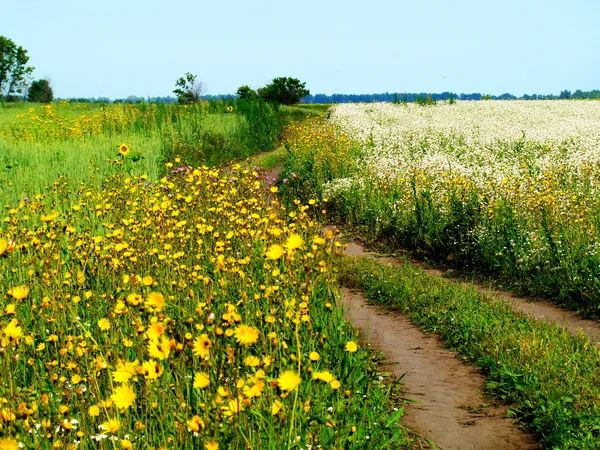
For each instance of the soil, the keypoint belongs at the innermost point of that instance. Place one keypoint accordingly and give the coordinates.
(451, 410)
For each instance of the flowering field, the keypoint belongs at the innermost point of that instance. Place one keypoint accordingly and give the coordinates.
(182, 310)
(504, 188)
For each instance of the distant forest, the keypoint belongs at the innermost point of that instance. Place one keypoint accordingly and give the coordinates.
(397, 97)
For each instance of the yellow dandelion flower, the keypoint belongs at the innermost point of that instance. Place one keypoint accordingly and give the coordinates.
(275, 251)
(152, 370)
(314, 356)
(123, 149)
(195, 424)
(94, 411)
(8, 444)
(12, 330)
(159, 349)
(147, 281)
(335, 384)
(19, 292)
(104, 324)
(246, 335)
(202, 345)
(288, 381)
(126, 444)
(3, 246)
(323, 376)
(201, 380)
(124, 371)
(252, 361)
(276, 407)
(111, 425)
(156, 330)
(155, 300)
(351, 346)
(123, 396)
(294, 241)
(212, 445)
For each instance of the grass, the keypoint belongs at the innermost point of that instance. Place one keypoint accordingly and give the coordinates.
(549, 376)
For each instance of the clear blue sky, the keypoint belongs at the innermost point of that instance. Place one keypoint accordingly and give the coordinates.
(117, 48)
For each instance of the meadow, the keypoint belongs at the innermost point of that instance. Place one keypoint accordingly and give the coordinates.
(506, 190)
(152, 299)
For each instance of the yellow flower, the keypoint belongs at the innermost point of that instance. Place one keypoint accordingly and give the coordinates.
(156, 300)
(335, 384)
(152, 370)
(202, 346)
(275, 251)
(212, 445)
(159, 349)
(155, 330)
(12, 330)
(8, 444)
(147, 281)
(19, 292)
(294, 241)
(126, 444)
(314, 356)
(323, 376)
(104, 324)
(94, 411)
(3, 246)
(111, 425)
(246, 335)
(201, 380)
(195, 423)
(123, 396)
(123, 149)
(276, 407)
(252, 361)
(124, 371)
(351, 346)
(288, 380)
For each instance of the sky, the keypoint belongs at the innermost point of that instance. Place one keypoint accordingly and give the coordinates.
(118, 48)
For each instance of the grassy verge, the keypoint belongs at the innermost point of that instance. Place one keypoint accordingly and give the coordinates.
(550, 376)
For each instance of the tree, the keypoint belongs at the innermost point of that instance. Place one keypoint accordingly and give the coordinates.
(14, 71)
(284, 90)
(40, 91)
(189, 89)
(246, 92)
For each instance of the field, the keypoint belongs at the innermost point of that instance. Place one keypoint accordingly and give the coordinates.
(152, 299)
(160, 290)
(501, 189)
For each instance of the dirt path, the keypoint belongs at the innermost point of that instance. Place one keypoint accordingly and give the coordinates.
(451, 410)
(537, 309)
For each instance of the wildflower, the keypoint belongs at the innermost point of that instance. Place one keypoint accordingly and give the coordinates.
(335, 384)
(323, 376)
(195, 423)
(212, 445)
(202, 346)
(314, 356)
(246, 335)
(294, 242)
(147, 281)
(159, 349)
(351, 346)
(12, 330)
(155, 330)
(124, 371)
(19, 292)
(104, 324)
(3, 246)
(276, 407)
(155, 300)
(93, 411)
(111, 425)
(152, 370)
(123, 396)
(126, 444)
(201, 380)
(288, 380)
(9, 444)
(275, 251)
(123, 149)
(252, 361)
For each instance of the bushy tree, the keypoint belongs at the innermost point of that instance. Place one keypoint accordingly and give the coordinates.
(14, 71)
(246, 92)
(284, 90)
(189, 88)
(40, 91)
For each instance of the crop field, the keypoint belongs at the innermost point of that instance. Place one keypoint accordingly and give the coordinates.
(150, 303)
(508, 189)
